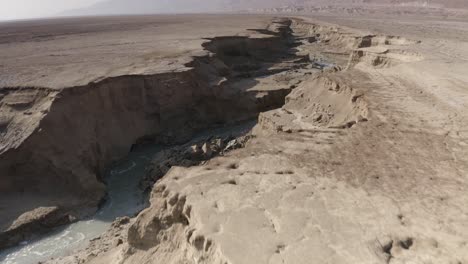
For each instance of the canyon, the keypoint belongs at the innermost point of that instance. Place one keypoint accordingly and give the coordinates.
(357, 152)
(68, 136)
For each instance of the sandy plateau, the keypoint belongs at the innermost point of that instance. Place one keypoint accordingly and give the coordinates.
(359, 153)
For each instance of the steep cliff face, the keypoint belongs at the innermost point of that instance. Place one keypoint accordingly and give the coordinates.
(87, 127)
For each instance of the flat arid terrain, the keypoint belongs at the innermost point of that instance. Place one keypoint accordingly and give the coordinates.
(275, 138)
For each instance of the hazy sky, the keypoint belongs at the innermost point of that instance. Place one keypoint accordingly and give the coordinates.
(20, 9)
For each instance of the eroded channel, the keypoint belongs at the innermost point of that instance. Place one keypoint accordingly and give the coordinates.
(125, 198)
(246, 77)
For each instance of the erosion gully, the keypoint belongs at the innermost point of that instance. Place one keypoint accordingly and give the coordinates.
(251, 66)
(125, 198)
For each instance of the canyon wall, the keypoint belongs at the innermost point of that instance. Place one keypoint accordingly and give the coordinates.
(59, 143)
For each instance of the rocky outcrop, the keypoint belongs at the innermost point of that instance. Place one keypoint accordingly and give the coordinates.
(37, 221)
(322, 101)
(168, 229)
(190, 155)
(382, 57)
